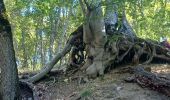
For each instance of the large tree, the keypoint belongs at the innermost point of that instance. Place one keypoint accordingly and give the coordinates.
(9, 88)
(106, 40)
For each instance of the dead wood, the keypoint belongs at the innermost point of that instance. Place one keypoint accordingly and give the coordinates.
(126, 49)
(150, 80)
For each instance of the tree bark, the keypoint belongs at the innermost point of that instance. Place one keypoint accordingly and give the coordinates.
(125, 28)
(9, 88)
(94, 36)
(111, 17)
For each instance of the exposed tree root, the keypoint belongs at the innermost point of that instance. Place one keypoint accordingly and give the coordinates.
(141, 47)
(119, 48)
(150, 80)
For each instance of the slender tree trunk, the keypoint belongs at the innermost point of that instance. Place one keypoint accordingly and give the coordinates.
(9, 88)
(41, 47)
(54, 28)
(62, 40)
(25, 57)
(36, 51)
(44, 52)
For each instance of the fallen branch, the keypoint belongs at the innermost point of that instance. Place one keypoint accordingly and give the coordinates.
(50, 65)
(150, 80)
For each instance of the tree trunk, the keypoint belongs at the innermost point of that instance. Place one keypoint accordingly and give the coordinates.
(54, 29)
(25, 57)
(94, 37)
(111, 18)
(125, 28)
(42, 47)
(9, 88)
(36, 51)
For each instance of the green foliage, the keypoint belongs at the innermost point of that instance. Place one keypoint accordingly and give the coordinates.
(149, 18)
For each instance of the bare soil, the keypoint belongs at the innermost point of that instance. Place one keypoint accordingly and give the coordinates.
(109, 87)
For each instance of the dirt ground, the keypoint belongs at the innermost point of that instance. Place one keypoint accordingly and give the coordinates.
(110, 87)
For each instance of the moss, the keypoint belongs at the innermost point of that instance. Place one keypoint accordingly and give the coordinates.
(86, 93)
(115, 37)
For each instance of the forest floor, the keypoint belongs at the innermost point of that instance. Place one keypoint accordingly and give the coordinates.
(110, 87)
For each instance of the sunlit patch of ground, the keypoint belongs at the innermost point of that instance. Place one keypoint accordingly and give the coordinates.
(27, 70)
(161, 68)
